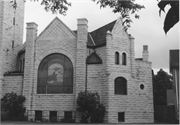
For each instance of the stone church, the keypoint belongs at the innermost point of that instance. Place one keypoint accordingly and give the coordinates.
(51, 68)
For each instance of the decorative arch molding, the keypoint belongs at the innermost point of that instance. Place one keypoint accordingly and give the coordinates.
(55, 75)
(56, 50)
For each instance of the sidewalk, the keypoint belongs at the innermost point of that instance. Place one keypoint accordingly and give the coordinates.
(50, 123)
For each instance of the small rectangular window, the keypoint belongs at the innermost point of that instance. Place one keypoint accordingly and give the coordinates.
(23, 62)
(38, 115)
(53, 116)
(68, 114)
(13, 44)
(14, 21)
(20, 65)
(121, 117)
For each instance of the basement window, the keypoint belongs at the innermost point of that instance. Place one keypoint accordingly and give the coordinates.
(53, 116)
(68, 115)
(121, 117)
(38, 115)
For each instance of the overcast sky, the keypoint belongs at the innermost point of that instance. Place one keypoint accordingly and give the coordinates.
(148, 30)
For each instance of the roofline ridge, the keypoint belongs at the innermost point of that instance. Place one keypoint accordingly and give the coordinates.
(91, 39)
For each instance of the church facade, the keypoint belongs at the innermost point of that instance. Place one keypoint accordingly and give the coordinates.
(51, 68)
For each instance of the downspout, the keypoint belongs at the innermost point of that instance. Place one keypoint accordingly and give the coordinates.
(86, 77)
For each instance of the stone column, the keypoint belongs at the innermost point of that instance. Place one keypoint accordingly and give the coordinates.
(31, 35)
(82, 34)
(106, 93)
(132, 56)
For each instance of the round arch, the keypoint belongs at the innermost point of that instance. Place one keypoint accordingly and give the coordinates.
(55, 75)
(120, 84)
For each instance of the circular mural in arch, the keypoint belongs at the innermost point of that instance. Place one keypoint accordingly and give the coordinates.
(55, 74)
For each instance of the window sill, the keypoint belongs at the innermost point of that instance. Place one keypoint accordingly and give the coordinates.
(120, 94)
(56, 94)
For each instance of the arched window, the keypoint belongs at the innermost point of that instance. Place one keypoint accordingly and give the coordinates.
(124, 59)
(55, 75)
(120, 86)
(116, 58)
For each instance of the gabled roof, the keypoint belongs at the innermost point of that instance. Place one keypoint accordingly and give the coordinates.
(174, 59)
(54, 29)
(22, 49)
(99, 35)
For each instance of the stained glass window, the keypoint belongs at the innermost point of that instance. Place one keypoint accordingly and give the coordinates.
(55, 75)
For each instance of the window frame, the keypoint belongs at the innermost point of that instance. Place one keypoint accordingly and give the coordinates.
(37, 114)
(53, 114)
(124, 58)
(117, 59)
(43, 87)
(123, 117)
(68, 113)
(120, 88)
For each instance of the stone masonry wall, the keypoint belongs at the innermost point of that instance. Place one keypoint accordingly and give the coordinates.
(13, 83)
(56, 38)
(144, 77)
(137, 105)
(1, 62)
(104, 87)
(94, 78)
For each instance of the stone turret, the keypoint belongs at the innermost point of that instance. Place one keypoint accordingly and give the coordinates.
(11, 35)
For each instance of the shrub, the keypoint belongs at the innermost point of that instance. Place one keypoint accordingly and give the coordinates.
(54, 119)
(13, 105)
(90, 107)
(63, 120)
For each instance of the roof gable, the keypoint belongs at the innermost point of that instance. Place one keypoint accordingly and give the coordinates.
(56, 29)
(118, 28)
(93, 58)
(99, 35)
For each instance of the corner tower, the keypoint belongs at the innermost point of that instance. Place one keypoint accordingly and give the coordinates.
(11, 34)
(11, 31)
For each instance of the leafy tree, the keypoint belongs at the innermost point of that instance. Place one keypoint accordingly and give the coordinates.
(172, 16)
(60, 6)
(90, 107)
(161, 82)
(13, 104)
(124, 7)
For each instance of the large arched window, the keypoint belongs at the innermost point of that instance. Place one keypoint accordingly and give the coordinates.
(117, 58)
(124, 59)
(120, 85)
(55, 75)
